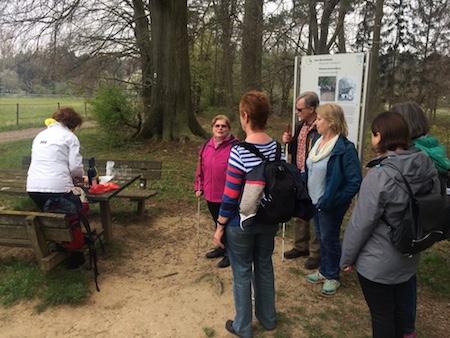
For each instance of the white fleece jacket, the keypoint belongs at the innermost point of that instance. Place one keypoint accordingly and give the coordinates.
(55, 160)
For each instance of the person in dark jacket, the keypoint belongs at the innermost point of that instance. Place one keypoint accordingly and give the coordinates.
(211, 171)
(333, 178)
(305, 244)
(383, 271)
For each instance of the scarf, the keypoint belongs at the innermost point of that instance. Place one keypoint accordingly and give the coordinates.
(217, 143)
(316, 154)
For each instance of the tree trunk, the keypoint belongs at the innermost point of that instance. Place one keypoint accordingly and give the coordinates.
(170, 116)
(226, 10)
(142, 34)
(252, 46)
(373, 102)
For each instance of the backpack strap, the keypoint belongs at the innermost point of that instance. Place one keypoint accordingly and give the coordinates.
(411, 195)
(90, 238)
(251, 148)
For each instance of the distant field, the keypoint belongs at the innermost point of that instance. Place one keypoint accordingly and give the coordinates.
(26, 112)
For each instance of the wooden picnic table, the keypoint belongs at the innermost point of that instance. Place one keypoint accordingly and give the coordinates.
(13, 182)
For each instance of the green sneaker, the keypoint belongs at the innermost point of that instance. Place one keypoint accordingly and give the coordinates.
(316, 277)
(330, 286)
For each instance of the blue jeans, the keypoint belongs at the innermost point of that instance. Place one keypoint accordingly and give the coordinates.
(411, 303)
(327, 226)
(250, 252)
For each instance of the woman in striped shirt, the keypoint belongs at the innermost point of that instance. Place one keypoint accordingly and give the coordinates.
(250, 248)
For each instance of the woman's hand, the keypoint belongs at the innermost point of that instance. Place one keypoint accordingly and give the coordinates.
(198, 193)
(218, 236)
(348, 268)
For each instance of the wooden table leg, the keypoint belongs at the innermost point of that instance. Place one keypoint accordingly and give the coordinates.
(105, 212)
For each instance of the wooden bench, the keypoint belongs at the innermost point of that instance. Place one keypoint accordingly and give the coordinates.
(148, 170)
(35, 230)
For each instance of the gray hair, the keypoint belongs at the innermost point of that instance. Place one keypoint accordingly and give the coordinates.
(311, 99)
(414, 116)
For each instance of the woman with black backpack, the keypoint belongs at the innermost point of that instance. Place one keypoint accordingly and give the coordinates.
(383, 271)
(419, 127)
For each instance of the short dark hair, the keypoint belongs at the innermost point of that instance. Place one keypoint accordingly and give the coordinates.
(258, 108)
(418, 123)
(69, 117)
(394, 132)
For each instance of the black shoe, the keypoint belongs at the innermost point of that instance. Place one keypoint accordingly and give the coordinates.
(75, 261)
(294, 253)
(225, 262)
(312, 263)
(229, 327)
(217, 252)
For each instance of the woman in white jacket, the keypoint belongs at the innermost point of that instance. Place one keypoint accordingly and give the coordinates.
(56, 161)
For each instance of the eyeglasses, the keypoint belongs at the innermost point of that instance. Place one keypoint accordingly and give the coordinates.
(300, 109)
(220, 126)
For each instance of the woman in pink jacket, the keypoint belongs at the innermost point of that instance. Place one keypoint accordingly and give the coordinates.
(211, 171)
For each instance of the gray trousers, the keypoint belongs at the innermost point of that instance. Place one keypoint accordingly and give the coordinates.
(304, 240)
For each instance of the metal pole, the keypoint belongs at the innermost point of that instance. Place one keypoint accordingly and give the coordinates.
(284, 223)
(198, 227)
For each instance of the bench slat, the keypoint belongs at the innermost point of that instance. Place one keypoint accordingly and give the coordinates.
(136, 194)
(13, 242)
(13, 232)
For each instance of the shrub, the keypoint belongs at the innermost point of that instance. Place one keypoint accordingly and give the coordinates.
(113, 111)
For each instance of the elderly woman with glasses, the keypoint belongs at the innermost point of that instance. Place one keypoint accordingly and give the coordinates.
(211, 172)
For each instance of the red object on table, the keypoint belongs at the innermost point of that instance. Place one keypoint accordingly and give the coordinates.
(102, 187)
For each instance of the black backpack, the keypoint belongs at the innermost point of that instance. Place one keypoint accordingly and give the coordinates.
(422, 224)
(284, 194)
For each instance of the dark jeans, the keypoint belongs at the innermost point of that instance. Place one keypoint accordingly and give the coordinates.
(411, 305)
(327, 226)
(76, 258)
(214, 210)
(41, 197)
(388, 307)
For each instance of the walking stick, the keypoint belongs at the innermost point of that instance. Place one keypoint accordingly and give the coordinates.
(198, 227)
(288, 127)
(199, 178)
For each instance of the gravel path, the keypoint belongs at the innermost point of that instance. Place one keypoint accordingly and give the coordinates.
(15, 135)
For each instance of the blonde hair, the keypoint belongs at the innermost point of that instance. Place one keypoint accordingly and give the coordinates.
(221, 117)
(335, 115)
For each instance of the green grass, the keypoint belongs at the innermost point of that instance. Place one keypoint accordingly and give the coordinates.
(21, 280)
(25, 112)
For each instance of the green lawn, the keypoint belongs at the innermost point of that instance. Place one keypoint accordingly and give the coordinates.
(26, 112)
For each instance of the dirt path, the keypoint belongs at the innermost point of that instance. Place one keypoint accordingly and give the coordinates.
(161, 288)
(15, 135)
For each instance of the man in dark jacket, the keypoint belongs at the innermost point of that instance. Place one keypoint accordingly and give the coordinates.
(305, 244)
